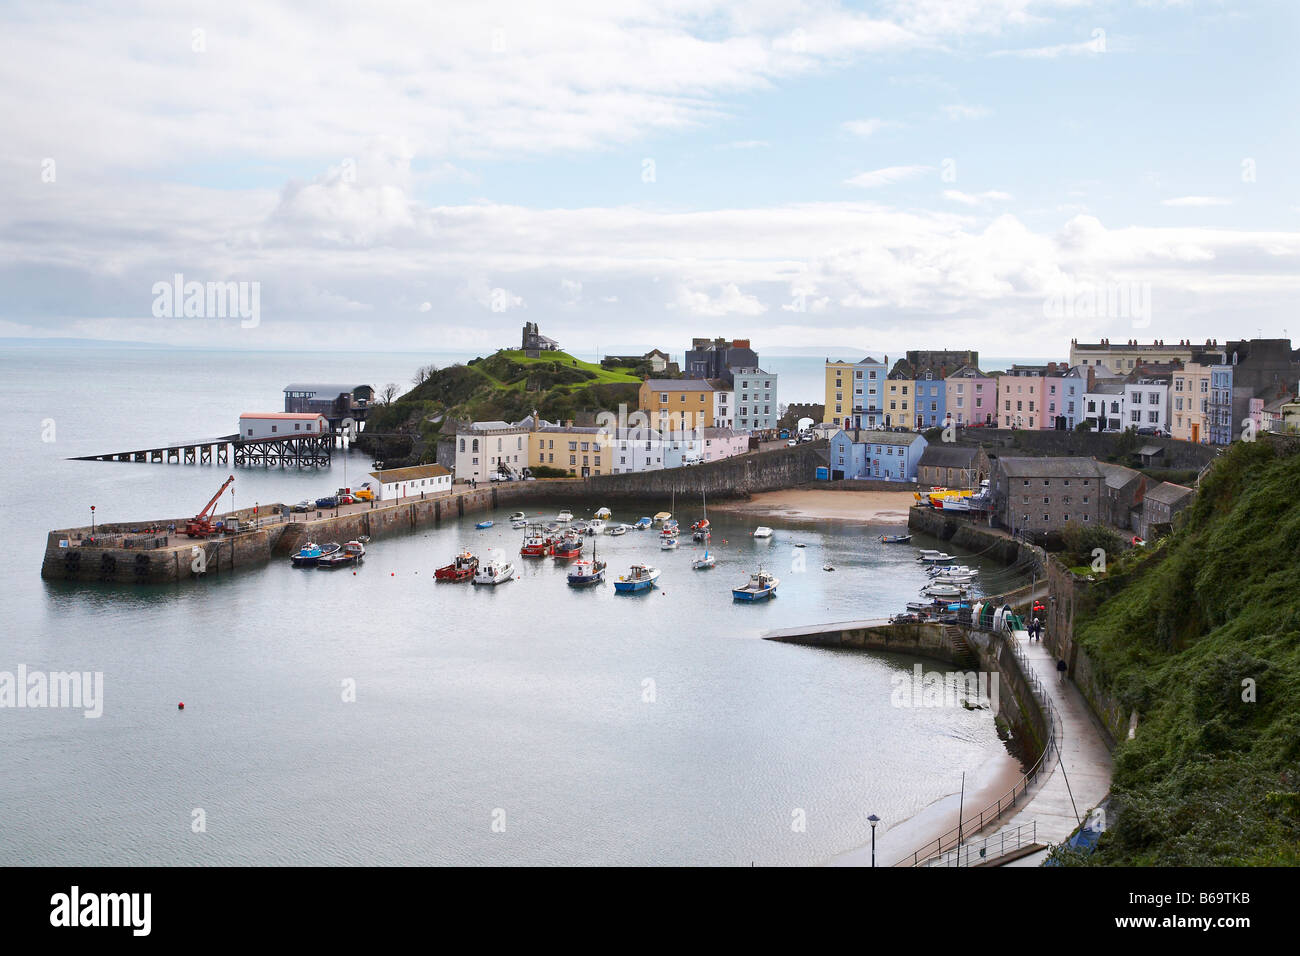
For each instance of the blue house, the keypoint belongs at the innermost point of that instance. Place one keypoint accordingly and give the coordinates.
(930, 402)
(876, 454)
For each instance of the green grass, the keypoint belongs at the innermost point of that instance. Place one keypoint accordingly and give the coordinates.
(1182, 634)
(603, 376)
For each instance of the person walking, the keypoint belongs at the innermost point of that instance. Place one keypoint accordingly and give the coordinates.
(1060, 668)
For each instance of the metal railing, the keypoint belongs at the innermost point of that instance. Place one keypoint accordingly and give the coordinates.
(976, 822)
(998, 845)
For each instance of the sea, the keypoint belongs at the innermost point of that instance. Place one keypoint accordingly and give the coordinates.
(378, 717)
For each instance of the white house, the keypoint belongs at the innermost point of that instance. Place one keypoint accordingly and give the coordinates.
(1148, 404)
(412, 482)
(1104, 405)
(255, 425)
(487, 448)
(755, 399)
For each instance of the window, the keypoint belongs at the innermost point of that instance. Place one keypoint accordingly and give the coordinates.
(573, 459)
(275, 428)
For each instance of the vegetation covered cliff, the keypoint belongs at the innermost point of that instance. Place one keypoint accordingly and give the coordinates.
(1201, 637)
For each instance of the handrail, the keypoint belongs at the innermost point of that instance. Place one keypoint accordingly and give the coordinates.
(974, 854)
(994, 811)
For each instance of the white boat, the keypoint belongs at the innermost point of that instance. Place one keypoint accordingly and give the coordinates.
(761, 585)
(962, 579)
(604, 514)
(936, 558)
(564, 516)
(494, 572)
(705, 562)
(923, 552)
(667, 543)
(618, 529)
(595, 526)
(518, 516)
(950, 569)
(519, 523)
(943, 590)
(662, 516)
(762, 531)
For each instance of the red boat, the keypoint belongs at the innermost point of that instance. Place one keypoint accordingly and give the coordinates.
(536, 543)
(570, 546)
(462, 569)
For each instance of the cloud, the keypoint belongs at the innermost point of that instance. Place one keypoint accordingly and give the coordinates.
(886, 177)
(747, 144)
(959, 111)
(1196, 201)
(1096, 46)
(866, 127)
(729, 301)
(976, 199)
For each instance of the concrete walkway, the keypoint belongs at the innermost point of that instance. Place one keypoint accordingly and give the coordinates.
(1084, 768)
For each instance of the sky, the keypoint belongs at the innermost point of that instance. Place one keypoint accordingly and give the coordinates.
(1001, 175)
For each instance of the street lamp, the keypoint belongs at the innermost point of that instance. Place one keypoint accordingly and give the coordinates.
(92, 521)
(873, 820)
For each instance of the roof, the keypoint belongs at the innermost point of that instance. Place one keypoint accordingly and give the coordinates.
(1168, 493)
(293, 416)
(409, 474)
(865, 436)
(948, 455)
(493, 426)
(332, 390)
(1050, 467)
(968, 371)
(679, 384)
(1117, 476)
(1117, 387)
(1150, 451)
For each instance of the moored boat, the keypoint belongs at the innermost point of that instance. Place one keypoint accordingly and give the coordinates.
(661, 517)
(536, 542)
(587, 570)
(642, 523)
(461, 569)
(895, 539)
(604, 514)
(667, 542)
(639, 577)
(569, 546)
(494, 572)
(595, 526)
(761, 585)
(705, 562)
(518, 516)
(482, 525)
(354, 552)
(762, 531)
(937, 558)
(564, 516)
(619, 529)
(307, 556)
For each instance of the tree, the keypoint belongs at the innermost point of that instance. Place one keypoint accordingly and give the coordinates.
(423, 374)
(1085, 425)
(388, 393)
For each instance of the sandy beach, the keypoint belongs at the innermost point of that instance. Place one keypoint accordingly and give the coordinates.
(875, 507)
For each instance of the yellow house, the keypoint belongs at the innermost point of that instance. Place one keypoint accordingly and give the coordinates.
(897, 402)
(1189, 396)
(839, 392)
(674, 404)
(581, 450)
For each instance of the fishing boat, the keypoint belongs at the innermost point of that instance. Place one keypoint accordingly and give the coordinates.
(762, 531)
(761, 586)
(494, 572)
(944, 590)
(604, 514)
(705, 562)
(484, 524)
(700, 530)
(619, 529)
(587, 570)
(537, 543)
(595, 526)
(642, 523)
(461, 569)
(307, 556)
(354, 552)
(569, 546)
(639, 577)
(564, 516)
(669, 529)
(518, 516)
(895, 539)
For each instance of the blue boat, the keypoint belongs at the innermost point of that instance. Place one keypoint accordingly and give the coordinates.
(760, 587)
(484, 524)
(643, 523)
(307, 556)
(639, 577)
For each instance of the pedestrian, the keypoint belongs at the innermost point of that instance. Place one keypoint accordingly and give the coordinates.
(1060, 667)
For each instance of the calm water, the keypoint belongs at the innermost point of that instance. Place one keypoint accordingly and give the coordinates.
(599, 728)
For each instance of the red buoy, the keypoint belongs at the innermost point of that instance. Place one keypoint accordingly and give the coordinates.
(181, 705)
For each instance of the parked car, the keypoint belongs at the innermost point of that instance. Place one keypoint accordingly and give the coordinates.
(792, 442)
(327, 502)
(303, 505)
(346, 500)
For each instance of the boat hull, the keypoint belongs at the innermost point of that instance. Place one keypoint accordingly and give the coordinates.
(745, 594)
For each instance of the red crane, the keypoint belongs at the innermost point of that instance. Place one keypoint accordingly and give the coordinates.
(200, 526)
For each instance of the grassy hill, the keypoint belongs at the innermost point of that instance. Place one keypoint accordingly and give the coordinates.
(504, 386)
(1183, 636)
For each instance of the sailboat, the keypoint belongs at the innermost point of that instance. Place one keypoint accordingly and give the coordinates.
(705, 562)
(700, 530)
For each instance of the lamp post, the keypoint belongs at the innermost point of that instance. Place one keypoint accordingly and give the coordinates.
(92, 521)
(873, 820)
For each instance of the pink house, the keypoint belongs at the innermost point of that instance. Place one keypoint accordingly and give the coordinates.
(971, 397)
(1020, 401)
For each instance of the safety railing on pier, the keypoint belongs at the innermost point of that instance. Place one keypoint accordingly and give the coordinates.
(1006, 841)
(976, 822)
